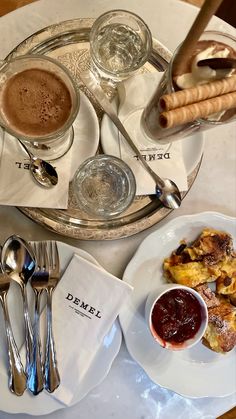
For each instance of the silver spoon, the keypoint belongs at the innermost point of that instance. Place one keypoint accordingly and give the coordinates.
(17, 378)
(166, 190)
(17, 260)
(42, 171)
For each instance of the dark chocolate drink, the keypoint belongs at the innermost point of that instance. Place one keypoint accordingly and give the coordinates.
(35, 102)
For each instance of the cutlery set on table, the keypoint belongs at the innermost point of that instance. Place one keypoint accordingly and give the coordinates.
(39, 265)
(35, 267)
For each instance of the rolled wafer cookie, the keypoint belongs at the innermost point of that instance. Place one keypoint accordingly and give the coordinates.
(196, 94)
(197, 110)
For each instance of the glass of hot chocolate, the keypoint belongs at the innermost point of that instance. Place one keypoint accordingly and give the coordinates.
(39, 102)
(198, 97)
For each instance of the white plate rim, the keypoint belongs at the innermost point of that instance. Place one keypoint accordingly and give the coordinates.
(203, 219)
(35, 406)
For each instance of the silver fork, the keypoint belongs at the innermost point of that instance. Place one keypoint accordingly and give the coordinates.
(39, 281)
(51, 374)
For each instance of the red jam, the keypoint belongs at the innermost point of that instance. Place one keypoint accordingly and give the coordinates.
(176, 316)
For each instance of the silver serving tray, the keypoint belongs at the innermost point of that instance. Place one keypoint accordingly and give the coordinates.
(69, 42)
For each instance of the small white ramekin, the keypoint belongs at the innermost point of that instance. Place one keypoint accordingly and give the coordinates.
(152, 299)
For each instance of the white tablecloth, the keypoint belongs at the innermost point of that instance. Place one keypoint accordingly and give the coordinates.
(127, 392)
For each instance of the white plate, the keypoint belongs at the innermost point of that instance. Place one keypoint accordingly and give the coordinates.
(196, 372)
(45, 403)
(192, 147)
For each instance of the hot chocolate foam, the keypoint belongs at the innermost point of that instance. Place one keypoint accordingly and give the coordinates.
(36, 102)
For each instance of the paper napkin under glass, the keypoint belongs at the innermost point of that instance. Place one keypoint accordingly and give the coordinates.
(18, 188)
(166, 160)
(86, 303)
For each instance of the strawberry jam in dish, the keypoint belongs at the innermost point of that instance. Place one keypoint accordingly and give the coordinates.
(176, 316)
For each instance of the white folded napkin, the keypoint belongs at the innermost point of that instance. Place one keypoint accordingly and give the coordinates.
(86, 303)
(17, 186)
(167, 160)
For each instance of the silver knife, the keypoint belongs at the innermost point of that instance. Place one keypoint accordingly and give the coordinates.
(166, 190)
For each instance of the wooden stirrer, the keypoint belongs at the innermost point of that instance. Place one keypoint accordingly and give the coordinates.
(206, 12)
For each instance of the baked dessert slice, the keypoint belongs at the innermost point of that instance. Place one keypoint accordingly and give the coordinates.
(212, 247)
(190, 274)
(200, 261)
(226, 283)
(220, 335)
(232, 298)
(209, 296)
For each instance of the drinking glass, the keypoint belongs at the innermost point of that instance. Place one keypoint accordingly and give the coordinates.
(104, 186)
(150, 116)
(120, 43)
(56, 142)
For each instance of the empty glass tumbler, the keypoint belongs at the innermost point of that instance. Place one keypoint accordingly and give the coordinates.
(120, 43)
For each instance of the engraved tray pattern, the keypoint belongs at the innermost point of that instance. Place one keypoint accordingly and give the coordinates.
(69, 43)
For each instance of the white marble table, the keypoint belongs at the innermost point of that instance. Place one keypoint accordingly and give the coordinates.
(127, 392)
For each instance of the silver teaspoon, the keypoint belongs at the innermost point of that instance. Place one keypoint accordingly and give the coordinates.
(18, 262)
(17, 378)
(42, 171)
(166, 190)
